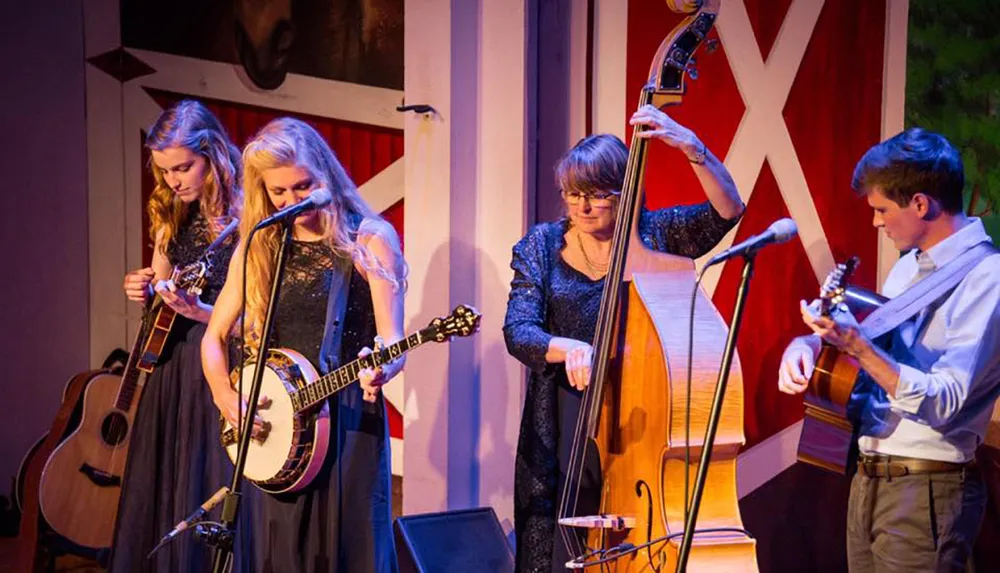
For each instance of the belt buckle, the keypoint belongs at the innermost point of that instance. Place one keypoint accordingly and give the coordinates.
(869, 468)
(882, 466)
(895, 470)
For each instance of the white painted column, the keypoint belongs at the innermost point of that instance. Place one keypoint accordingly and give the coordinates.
(610, 45)
(427, 214)
(106, 188)
(465, 207)
(503, 191)
(897, 20)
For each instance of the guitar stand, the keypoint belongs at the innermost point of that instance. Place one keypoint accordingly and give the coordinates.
(57, 546)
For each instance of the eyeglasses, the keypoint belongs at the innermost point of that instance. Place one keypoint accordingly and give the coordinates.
(597, 199)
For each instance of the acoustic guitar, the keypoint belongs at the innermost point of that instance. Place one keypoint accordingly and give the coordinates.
(827, 433)
(81, 483)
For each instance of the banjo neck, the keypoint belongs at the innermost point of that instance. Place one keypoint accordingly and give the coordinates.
(335, 381)
(292, 454)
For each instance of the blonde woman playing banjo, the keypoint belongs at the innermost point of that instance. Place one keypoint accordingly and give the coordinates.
(343, 287)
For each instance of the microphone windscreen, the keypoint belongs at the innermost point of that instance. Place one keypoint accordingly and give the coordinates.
(321, 197)
(783, 229)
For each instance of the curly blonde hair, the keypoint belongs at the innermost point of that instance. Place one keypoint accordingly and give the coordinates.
(191, 125)
(288, 142)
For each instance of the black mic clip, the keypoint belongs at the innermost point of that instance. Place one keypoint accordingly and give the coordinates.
(214, 534)
(190, 520)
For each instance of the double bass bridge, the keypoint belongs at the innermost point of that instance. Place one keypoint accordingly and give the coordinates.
(603, 521)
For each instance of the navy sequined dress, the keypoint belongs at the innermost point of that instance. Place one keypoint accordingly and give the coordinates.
(549, 298)
(175, 460)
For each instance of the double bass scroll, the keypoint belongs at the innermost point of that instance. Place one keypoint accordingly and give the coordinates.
(634, 413)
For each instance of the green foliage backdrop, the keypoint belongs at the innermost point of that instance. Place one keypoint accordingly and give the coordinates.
(953, 87)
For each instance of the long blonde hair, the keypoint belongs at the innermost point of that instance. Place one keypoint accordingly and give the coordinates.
(189, 124)
(288, 142)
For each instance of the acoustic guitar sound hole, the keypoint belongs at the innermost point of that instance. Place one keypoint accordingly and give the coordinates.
(114, 428)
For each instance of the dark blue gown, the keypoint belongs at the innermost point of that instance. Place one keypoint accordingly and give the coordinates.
(175, 460)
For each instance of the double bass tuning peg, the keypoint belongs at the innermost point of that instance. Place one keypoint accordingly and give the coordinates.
(692, 69)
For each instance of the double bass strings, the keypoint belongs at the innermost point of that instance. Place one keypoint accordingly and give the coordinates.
(586, 424)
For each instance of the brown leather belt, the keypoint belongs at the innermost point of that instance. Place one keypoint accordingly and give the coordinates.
(880, 466)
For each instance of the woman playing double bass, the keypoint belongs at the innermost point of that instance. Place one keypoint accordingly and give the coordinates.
(552, 312)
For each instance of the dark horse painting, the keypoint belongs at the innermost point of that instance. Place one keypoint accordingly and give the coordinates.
(357, 41)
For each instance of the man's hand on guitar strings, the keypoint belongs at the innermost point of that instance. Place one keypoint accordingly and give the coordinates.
(796, 367)
(840, 329)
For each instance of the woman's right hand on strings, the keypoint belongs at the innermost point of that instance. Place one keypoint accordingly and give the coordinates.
(797, 365)
(578, 362)
(228, 403)
(137, 284)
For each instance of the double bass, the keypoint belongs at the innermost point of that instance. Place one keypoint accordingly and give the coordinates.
(639, 415)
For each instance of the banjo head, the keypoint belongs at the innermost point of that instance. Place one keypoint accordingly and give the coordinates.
(286, 454)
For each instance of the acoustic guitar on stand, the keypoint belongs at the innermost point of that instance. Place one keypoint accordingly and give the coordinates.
(82, 480)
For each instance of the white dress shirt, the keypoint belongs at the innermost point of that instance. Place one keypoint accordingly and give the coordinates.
(949, 360)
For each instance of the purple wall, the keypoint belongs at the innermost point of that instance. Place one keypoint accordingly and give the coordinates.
(43, 223)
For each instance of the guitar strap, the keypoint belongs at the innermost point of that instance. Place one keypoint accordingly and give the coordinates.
(924, 292)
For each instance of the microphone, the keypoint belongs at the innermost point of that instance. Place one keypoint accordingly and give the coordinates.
(194, 517)
(779, 232)
(318, 198)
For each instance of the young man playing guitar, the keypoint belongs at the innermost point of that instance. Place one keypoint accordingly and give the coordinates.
(930, 364)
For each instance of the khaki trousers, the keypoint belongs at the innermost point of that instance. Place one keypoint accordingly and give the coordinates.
(914, 523)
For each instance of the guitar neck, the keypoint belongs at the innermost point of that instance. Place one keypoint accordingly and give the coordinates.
(130, 377)
(157, 320)
(347, 374)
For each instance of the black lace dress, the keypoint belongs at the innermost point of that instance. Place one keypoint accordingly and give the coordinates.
(175, 460)
(550, 298)
(342, 521)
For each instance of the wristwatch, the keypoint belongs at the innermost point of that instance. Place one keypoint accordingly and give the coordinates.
(697, 156)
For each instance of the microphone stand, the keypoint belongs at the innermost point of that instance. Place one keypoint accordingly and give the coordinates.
(222, 536)
(713, 418)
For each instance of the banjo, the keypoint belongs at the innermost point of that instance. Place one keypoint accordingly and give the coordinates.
(297, 421)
